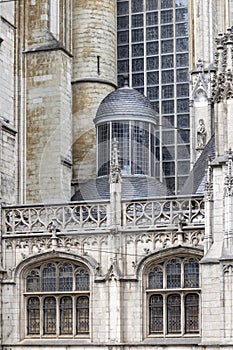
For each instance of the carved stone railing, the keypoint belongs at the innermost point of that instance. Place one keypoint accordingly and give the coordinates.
(162, 213)
(46, 218)
(176, 211)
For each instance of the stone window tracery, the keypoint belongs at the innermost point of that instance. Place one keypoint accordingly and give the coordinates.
(173, 294)
(57, 300)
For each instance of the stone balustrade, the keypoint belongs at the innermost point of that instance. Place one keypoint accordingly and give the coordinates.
(173, 212)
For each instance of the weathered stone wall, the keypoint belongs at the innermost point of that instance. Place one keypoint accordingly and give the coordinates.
(7, 105)
(48, 125)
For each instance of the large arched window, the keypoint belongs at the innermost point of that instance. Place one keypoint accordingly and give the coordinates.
(173, 294)
(57, 300)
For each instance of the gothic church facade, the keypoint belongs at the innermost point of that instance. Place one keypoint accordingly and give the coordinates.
(97, 252)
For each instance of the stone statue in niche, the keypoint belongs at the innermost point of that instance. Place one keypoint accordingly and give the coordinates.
(201, 134)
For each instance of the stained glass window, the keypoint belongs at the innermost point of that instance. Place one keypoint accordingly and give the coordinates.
(165, 308)
(156, 314)
(66, 277)
(174, 313)
(191, 274)
(82, 280)
(49, 278)
(159, 35)
(33, 311)
(82, 309)
(66, 315)
(173, 274)
(50, 315)
(54, 313)
(156, 278)
(33, 281)
(192, 313)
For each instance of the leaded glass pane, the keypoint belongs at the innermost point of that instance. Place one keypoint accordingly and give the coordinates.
(173, 270)
(183, 152)
(168, 152)
(192, 313)
(168, 137)
(168, 170)
(168, 107)
(183, 167)
(181, 29)
(103, 149)
(33, 311)
(166, 4)
(155, 278)
(66, 277)
(137, 64)
(167, 76)
(191, 274)
(167, 46)
(140, 142)
(138, 79)
(168, 121)
(151, 5)
(50, 315)
(182, 75)
(33, 281)
(183, 105)
(123, 51)
(123, 66)
(182, 45)
(138, 50)
(82, 279)
(82, 315)
(137, 20)
(182, 60)
(152, 33)
(49, 278)
(182, 90)
(174, 313)
(156, 314)
(152, 48)
(152, 63)
(137, 35)
(153, 92)
(166, 16)
(152, 78)
(167, 61)
(123, 22)
(183, 121)
(167, 31)
(137, 5)
(151, 18)
(170, 182)
(66, 315)
(182, 15)
(123, 8)
(167, 91)
(183, 136)
(123, 37)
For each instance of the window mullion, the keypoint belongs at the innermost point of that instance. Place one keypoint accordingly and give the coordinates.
(164, 315)
(58, 317)
(182, 314)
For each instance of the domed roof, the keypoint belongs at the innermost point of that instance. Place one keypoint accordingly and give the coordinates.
(133, 187)
(126, 104)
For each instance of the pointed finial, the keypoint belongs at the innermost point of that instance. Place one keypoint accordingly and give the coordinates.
(115, 170)
(126, 80)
